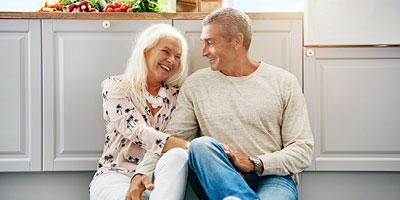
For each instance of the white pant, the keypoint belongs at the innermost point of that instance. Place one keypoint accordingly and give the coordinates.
(170, 178)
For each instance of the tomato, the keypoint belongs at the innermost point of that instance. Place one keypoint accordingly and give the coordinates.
(124, 8)
(109, 6)
(129, 10)
(110, 10)
(118, 10)
(117, 5)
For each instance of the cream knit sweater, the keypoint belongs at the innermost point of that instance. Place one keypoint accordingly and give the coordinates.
(262, 114)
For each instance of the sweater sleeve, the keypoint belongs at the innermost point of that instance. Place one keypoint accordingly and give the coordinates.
(123, 116)
(297, 138)
(183, 122)
(148, 164)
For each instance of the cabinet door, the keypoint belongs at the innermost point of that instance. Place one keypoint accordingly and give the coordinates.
(353, 97)
(20, 89)
(276, 42)
(77, 56)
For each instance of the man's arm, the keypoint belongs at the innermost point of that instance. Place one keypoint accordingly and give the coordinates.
(148, 164)
(183, 124)
(297, 138)
(142, 179)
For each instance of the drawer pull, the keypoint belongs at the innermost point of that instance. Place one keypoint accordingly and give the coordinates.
(310, 53)
(106, 24)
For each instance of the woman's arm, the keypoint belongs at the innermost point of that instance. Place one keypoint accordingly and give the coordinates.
(124, 117)
(174, 142)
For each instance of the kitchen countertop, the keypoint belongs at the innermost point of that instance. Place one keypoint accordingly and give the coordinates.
(178, 15)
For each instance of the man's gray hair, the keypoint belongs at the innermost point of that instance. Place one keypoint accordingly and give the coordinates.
(232, 22)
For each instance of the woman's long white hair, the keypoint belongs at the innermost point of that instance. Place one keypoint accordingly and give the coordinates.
(136, 71)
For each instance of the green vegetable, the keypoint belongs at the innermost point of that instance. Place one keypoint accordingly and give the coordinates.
(93, 3)
(103, 3)
(137, 5)
(68, 2)
(148, 6)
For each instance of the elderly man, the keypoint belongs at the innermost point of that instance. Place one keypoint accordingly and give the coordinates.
(252, 117)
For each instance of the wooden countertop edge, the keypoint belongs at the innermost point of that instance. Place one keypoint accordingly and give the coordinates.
(179, 15)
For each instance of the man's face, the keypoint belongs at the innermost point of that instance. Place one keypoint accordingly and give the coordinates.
(216, 49)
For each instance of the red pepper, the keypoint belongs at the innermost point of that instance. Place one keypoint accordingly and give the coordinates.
(70, 7)
(79, 4)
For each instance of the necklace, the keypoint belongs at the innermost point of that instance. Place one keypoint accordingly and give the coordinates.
(155, 101)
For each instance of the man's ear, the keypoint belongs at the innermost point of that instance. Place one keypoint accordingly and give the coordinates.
(238, 40)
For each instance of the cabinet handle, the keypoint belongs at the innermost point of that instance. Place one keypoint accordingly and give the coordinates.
(310, 52)
(106, 24)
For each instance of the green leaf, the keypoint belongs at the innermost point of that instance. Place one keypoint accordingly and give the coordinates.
(147, 6)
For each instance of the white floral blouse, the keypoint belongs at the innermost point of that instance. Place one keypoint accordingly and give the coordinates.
(131, 128)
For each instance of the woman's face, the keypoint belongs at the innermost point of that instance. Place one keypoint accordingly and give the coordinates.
(163, 59)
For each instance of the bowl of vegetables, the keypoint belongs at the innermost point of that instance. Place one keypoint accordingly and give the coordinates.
(160, 6)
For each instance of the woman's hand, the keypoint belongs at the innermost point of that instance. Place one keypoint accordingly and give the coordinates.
(138, 185)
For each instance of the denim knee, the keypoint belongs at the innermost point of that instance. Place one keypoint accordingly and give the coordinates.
(202, 144)
(276, 187)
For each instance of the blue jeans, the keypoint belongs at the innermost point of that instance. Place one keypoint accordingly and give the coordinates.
(220, 179)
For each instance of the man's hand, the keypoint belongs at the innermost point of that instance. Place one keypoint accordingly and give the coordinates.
(226, 148)
(138, 185)
(240, 161)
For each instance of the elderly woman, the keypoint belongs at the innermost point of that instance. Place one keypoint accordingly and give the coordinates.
(137, 107)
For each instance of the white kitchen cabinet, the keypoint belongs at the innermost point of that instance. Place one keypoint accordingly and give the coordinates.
(77, 56)
(355, 22)
(353, 97)
(276, 42)
(68, 61)
(20, 91)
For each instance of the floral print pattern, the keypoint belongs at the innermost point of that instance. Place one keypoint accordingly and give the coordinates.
(131, 128)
